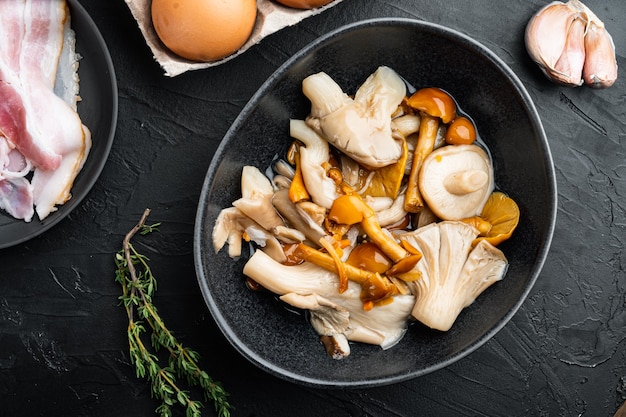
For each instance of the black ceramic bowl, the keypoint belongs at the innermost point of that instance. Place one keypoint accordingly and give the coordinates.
(98, 111)
(283, 343)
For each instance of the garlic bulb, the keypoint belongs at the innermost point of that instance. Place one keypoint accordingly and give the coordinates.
(571, 45)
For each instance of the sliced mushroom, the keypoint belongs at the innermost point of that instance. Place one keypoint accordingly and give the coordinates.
(456, 181)
(288, 235)
(406, 124)
(311, 210)
(327, 318)
(361, 128)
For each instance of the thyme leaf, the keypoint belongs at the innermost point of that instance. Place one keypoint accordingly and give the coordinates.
(138, 284)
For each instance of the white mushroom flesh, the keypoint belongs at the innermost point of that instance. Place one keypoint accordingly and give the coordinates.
(453, 274)
(313, 156)
(456, 181)
(361, 128)
(384, 325)
(230, 226)
(256, 200)
(347, 146)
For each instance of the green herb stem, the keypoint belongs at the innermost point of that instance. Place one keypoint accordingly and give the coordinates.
(138, 285)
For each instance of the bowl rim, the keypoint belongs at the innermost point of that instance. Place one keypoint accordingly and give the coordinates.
(270, 83)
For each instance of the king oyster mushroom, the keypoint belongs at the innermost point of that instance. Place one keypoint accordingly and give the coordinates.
(456, 181)
(359, 127)
(453, 273)
(383, 325)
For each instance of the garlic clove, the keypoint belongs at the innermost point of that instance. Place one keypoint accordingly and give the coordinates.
(546, 33)
(569, 67)
(600, 67)
(571, 46)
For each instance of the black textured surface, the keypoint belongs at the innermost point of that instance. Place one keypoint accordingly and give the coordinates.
(62, 332)
(269, 334)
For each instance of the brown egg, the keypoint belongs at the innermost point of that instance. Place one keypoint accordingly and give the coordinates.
(304, 4)
(203, 30)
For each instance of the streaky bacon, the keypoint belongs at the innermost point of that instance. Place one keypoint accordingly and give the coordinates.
(52, 137)
(69, 137)
(16, 123)
(13, 121)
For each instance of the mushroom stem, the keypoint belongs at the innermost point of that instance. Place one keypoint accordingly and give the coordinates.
(351, 209)
(375, 286)
(465, 182)
(325, 94)
(297, 189)
(413, 202)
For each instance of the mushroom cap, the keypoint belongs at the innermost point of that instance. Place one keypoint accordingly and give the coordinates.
(453, 273)
(359, 127)
(456, 181)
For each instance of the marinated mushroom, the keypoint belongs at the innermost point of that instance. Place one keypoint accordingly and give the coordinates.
(333, 228)
(232, 226)
(359, 127)
(329, 320)
(256, 198)
(384, 325)
(456, 181)
(453, 274)
(461, 131)
(435, 102)
(297, 218)
(313, 155)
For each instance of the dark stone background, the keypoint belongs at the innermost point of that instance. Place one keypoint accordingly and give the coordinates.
(62, 333)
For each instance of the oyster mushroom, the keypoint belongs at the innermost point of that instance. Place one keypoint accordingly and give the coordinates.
(359, 127)
(296, 217)
(313, 156)
(456, 181)
(453, 274)
(256, 198)
(393, 214)
(383, 325)
(329, 320)
(230, 226)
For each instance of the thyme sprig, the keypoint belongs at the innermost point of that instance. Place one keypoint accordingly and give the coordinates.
(138, 286)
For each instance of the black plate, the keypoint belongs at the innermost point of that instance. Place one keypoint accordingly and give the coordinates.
(283, 343)
(98, 111)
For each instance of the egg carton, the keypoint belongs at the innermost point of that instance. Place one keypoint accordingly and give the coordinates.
(271, 17)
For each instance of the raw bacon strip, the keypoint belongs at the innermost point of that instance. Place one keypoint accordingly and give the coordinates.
(16, 198)
(53, 187)
(13, 128)
(44, 22)
(66, 134)
(16, 123)
(12, 22)
(48, 131)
